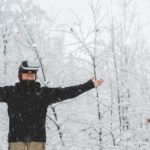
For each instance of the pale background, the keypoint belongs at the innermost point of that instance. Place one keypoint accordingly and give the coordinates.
(62, 9)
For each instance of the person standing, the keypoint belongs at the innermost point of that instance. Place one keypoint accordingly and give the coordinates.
(27, 106)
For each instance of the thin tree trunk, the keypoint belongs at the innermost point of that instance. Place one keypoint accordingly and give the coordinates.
(5, 42)
(116, 77)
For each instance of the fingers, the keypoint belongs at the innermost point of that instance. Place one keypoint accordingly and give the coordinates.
(98, 82)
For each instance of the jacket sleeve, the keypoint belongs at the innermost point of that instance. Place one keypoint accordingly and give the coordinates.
(5, 93)
(54, 95)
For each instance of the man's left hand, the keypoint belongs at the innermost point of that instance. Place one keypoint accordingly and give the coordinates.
(97, 82)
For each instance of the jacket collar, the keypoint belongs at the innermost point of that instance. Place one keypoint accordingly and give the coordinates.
(29, 85)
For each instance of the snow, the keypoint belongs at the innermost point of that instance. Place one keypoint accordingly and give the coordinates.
(112, 117)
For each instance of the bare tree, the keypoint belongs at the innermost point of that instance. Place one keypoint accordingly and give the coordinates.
(88, 44)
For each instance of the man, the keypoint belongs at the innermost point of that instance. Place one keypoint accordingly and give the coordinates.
(27, 106)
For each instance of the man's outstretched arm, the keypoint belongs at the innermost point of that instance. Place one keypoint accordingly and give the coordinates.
(60, 94)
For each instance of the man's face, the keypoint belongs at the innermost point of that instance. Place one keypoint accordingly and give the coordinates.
(28, 75)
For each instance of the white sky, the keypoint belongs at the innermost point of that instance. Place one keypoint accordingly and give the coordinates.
(61, 7)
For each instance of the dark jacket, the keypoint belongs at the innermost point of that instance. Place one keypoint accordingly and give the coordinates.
(27, 107)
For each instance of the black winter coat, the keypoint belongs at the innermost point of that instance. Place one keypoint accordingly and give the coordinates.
(27, 107)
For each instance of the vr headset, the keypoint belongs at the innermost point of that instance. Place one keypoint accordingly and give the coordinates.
(29, 66)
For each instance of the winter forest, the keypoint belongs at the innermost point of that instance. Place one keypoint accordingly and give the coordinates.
(109, 46)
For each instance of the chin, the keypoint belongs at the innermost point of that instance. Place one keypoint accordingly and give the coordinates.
(31, 79)
(28, 79)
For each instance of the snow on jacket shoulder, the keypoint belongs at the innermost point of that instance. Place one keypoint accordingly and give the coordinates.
(52, 95)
